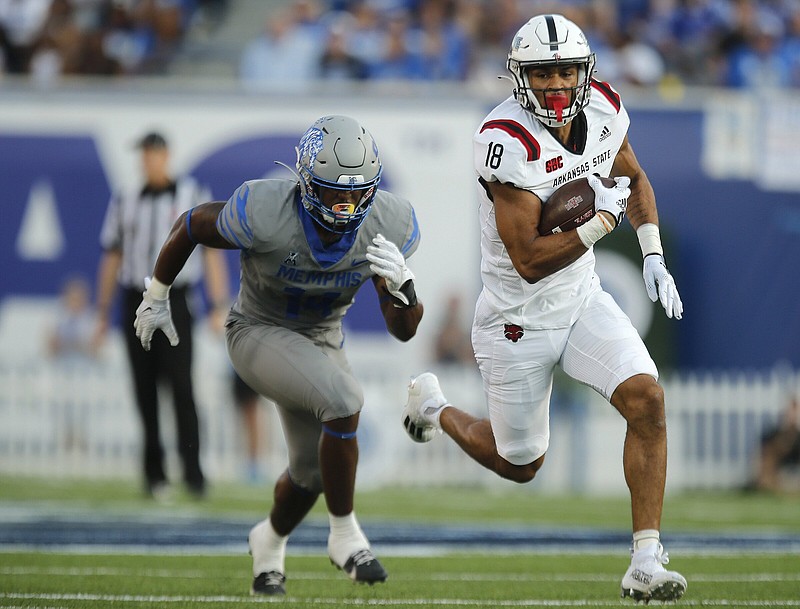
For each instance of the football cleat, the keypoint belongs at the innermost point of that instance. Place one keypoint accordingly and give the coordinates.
(647, 580)
(363, 567)
(420, 416)
(269, 584)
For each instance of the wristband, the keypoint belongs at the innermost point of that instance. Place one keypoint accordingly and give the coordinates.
(407, 290)
(649, 239)
(158, 290)
(594, 230)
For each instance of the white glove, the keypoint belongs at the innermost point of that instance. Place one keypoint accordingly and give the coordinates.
(386, 261)
(154, 314)
(613, 200)
(661, 286)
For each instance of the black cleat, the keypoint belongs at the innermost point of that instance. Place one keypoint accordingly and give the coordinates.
(363, 567)
(269, 584)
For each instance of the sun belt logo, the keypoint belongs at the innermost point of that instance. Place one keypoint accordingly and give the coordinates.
(605, 133)
(513, 332)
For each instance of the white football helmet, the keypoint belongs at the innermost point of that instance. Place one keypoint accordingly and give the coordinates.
(336, 152)
(548, 40)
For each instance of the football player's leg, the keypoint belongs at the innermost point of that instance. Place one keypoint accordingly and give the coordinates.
(271, 361)
(476, 438)
(298, 488)
(296, 492)
(517, 379)
(605, 352)
(348, 547)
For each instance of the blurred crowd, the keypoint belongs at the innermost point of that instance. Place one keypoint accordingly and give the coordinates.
(46, 38)
(730, 43)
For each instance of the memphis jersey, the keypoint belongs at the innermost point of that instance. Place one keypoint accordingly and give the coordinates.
(511, 146)
(287, 277)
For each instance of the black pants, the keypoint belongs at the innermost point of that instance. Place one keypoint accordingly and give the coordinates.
(174, 366)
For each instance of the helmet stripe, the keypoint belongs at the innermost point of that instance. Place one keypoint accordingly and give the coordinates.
(551, 31)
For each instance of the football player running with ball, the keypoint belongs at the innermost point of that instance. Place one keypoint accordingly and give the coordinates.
(542, 304)
(307, 246)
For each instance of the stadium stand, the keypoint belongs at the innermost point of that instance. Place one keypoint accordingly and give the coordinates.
(737, 44)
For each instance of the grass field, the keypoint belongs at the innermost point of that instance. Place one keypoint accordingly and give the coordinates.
(108, 577)
(519, 580)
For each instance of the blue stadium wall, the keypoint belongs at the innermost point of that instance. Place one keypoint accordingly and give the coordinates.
(733, 247)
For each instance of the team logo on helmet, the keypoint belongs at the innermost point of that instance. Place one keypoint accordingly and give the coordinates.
(310, 145)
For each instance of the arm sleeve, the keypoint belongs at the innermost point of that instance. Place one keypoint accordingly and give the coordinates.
(411, 242)
(234, 222)
(500, 158)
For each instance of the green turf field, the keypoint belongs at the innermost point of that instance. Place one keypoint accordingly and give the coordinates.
(511, 504)
(90, 578)
(458, 580)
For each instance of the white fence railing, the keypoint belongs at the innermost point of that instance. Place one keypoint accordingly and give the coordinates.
(79, 420)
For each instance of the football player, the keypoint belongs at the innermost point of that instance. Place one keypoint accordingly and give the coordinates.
(542, 304)
(307, 246)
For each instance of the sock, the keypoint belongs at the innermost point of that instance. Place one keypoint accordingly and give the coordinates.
(346, 538)
(268, 549)
(645, 538)
(438, 413)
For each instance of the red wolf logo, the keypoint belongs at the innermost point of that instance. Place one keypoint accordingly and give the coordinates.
(513, 332)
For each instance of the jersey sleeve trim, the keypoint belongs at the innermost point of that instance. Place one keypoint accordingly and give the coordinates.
(411, 243)
(235, 213)
(519, 133)
(609, 93)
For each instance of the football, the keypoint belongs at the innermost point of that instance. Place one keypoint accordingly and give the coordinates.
(569, 206)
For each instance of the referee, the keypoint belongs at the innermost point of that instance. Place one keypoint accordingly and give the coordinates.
(135, 226)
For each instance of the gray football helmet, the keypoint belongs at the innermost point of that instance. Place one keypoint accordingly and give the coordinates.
(549, 40)
(336, 152)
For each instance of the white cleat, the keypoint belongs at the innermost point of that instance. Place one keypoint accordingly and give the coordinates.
(425, 403)
(647, 580)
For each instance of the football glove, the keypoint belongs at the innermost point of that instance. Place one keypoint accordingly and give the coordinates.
(613, 200)
(386, 261)
(661, 286)
(154, 314)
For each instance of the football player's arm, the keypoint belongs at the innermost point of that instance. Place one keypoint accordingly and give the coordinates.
(401, 320)
(642, 200)
(643, 216)
(517, 214)
(198, 226)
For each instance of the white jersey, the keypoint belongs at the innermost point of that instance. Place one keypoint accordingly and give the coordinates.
(512, 147)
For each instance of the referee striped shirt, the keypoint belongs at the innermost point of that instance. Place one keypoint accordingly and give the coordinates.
(138, 223)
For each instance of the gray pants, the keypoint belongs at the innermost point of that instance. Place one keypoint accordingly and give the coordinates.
(309, 379)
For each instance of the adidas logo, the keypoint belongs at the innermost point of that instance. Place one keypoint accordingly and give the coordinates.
(605, 133)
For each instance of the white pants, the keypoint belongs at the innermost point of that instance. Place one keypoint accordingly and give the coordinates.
(601, 349)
